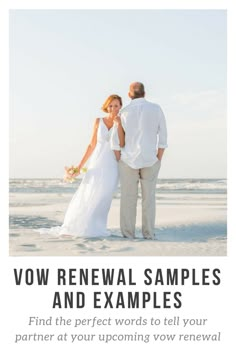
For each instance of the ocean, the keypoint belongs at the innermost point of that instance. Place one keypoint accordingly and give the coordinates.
(56, 185)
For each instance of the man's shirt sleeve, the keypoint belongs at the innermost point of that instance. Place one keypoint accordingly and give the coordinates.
(162, 143)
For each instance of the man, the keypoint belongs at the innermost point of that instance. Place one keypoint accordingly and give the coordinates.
(145, 141)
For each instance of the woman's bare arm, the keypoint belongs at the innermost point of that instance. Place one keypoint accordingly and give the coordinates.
(91, 146)
(120, 130)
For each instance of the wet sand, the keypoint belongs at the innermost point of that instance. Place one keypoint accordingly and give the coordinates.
(186, 225)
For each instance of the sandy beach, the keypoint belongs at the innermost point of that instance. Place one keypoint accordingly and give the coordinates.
(187, 224)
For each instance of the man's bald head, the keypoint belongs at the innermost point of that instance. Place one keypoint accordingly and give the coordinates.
(136, 90)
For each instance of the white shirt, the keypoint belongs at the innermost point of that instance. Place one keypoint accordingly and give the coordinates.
(145, 131)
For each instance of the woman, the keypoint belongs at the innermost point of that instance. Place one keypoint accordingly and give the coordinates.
(88, 210)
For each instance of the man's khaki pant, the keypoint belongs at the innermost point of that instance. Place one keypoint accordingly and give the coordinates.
(129, 179)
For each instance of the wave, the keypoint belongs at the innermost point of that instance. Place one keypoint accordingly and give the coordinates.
(57, 185)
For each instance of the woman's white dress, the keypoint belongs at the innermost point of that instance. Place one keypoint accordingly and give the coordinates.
(87, 212)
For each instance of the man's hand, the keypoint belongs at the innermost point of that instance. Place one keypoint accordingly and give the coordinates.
(160, 153)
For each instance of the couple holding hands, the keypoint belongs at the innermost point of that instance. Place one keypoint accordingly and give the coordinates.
(127, 145)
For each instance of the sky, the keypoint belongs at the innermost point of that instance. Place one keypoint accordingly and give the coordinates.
(64, 64)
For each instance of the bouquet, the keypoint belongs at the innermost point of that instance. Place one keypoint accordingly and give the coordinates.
(72, 172)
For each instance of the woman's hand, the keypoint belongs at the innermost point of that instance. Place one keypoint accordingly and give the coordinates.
(77, 173)
(117, 120)
(121, 133)
(117, 155)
